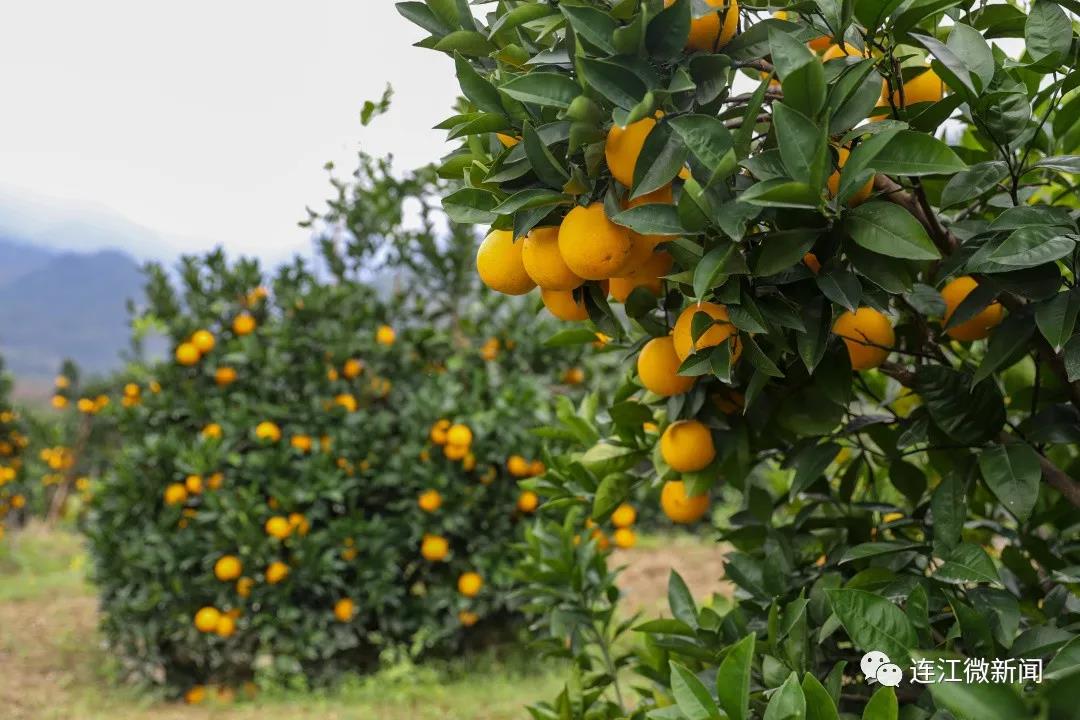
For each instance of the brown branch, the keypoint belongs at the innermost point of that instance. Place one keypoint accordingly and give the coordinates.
(1054, 476)
(737, 122)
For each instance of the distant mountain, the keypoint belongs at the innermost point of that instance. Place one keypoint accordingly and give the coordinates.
(55, 305)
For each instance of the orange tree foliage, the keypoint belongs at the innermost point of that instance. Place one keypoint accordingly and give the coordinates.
(839, 245)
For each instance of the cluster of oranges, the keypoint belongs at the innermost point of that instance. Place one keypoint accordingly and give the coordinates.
(623, 537)
(12, 443)
(201, 342)
(455, 440)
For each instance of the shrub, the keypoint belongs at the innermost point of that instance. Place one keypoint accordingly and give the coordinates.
(323, 476)
(859, 335)
(13, 443)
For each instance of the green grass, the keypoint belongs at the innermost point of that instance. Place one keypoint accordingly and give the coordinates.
(58, 669)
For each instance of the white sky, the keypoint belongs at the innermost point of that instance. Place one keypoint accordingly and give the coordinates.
(208, 121)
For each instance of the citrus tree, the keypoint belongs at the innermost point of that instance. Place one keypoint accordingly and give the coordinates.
(839, 244)
(323, 475)
(13, 443)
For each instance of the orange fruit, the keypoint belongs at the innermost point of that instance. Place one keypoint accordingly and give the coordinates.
(455, 452)
(536, 467)
(344, 609)
(225, 627)
(470, 584)
(434, 548)
(203, 340)
(175, 494)
(623, 146)
(268, 431)
(187, 354)
(718, 333)
(429, 501)
(678, 507)
(544, 264)
(978, 327)
(206, 619)
(244, 324)
(518, 466)
(224, 376)
(710, 33)
(649, 275)
(438, 432)
(658, 366)
(352, 368)
(500, 265)
(193, 484)
(276, 572)
(868, 336)
(303, 443)
(563, 305)
(528, 501)
(243, 586)
(459, 435)
(468, 618)
(687, 446)
(624, 538)
(227, 568)
(811, 261)
(592, 246)
(278, 527)
(925, 87)
(624, 516)
(195, 695)
(385, 335)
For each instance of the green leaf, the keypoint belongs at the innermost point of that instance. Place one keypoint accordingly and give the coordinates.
(470, 206)
(479, 91)
(519, 16)
(950, 68)
(876, 549)
(710, 143)
(420, 14)
(1032, 246)
(811, 344)
(667, 33)
(547, 89)
(1006, 343)
(1012, 473)
(681, 601)
(592, 25)
(888, 229)
(1057, 317)
(733, 679)
(967, 563)
(1066, 663)
(914, 153)
(819, 703)
(621, 86)
(781, 250)
(531, 198)
(971, 48)
(973, 182)
(662, 157)
(787, 703)
(810, 464)
(802, 77)
(717, 263)
(1071, 356)
(466, 42)
(842, 287)
(651, 219)
(802, 145)
(874, 623)
(691, 695)
(949, 507)
(612, 491)
(782, 192)
(882, 705)
(1048, 33)
(966, 414)
(571, 336)
(1064, 163)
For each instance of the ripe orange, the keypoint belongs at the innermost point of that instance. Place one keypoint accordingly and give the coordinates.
(593, 247)
(195, 695)
(811, 261)
(429, 501)
(543, 263)
(648, 275)
(573, 376)
(518, 466)
(59, 402)
(455, 452)
(624, 516)
(347, 401)
(978, 327)
(299, 523)
(563, 305)
(678, 507)
(710, 33)
(303, 443)
(925, 87)
(187, 354)
(500, 265)
(344, 609)
(687, 446)
(385, 335)
(438, 432)
(212, 432)
(244, 324)
(193, 484)
(623, 146)
(718, 333)
(352, 368)
(214, 481)
(203, 340)
(624, 538)
(225, 627)
(278, 527)
(868, 336)
(244, 586)
(434, 548)
(206, 619)
(468, 618)
(459, 435)
(860, 196)
(175, 494)
(658, 366)
(227, 568)
(268, 431)
(276, 572)
(470, 584)
(536, 467)
(528, 501)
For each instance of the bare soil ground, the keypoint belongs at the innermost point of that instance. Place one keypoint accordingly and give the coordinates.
(53, 667)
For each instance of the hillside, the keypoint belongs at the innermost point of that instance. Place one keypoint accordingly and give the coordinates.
(60, 304)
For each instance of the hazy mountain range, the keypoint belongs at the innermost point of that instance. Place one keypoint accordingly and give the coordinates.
(55, 305)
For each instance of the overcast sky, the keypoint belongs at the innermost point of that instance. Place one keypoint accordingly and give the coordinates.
(208, 121)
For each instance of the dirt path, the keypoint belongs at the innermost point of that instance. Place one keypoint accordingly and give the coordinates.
(644, 581)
